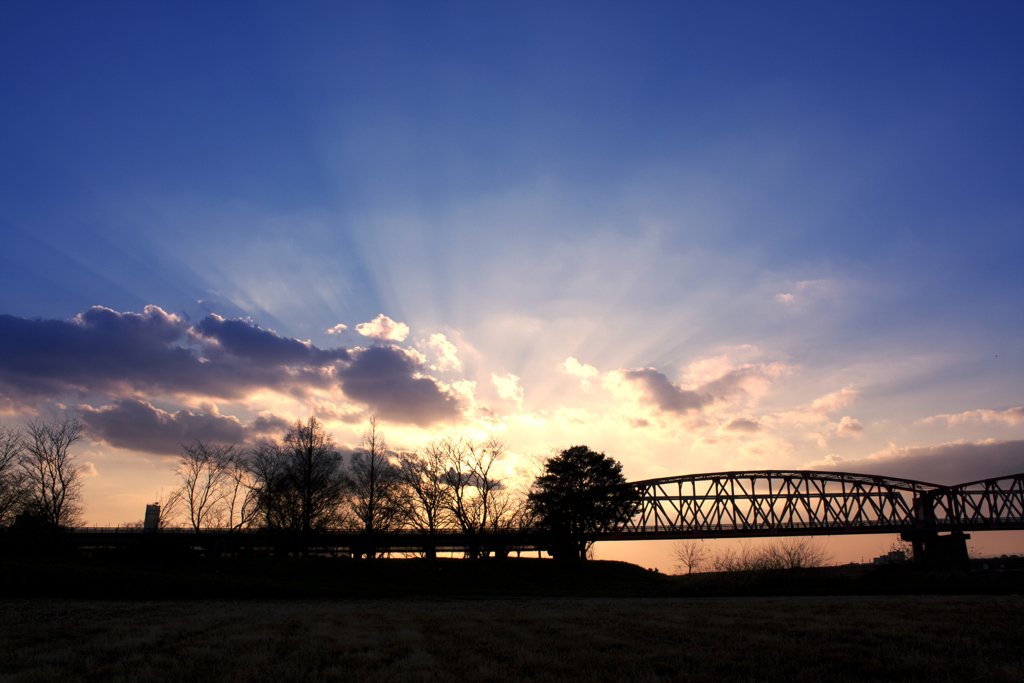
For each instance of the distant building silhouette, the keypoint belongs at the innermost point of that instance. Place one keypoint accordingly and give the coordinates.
(152, 519)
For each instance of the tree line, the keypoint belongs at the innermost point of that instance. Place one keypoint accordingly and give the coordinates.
(302, 484)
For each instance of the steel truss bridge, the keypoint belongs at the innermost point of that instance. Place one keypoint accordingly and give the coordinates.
(935, 518)
(807, 503)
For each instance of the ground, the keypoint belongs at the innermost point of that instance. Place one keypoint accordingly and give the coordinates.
(863, 638)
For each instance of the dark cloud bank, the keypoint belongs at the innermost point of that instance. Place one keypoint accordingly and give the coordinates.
(154, 353)
(138, 426)
(947, 464)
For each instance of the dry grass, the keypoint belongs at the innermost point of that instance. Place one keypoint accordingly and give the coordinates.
(931, 638)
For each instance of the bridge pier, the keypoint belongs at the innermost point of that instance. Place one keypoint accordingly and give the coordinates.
(939, 552)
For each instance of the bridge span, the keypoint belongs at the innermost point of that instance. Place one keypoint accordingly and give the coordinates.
(934, 517)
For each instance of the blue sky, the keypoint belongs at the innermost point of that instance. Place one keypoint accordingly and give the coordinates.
(819, 205)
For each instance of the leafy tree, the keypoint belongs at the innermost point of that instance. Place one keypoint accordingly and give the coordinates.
(580, 492)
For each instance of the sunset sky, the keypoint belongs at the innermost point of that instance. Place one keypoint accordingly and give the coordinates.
(694, 236)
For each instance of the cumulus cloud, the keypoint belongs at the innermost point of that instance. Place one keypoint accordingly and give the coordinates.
(849, 427)
(383, 328)
(88, 469)
(445, 352)
(139, 426)
(957, 462)
(1010, 416)
(389, 379)
(130, 356)
(337, 329)
(242, 339)
(586, 373)
(784, 298)
(508, 388)
(155, 353)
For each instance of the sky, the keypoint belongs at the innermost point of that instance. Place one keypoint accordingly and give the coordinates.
(694, 236)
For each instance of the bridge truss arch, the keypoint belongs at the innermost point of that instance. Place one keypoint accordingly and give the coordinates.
(806, 502)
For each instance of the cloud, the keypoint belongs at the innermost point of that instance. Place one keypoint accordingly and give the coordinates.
(242, 339)
(765, 451)
(784, 298)
(666, 396)
(672, 398)
(388, 379)
(88, 469)
(383, 328)
(585, 372)
(1010, 416)
(337, 329)
(132, 356)
(508, 388)
(849, 427)
(575, 368)
(445, 351)
(957, 462)
(154, 353)
(741, 424)
(331, 412)
(268, 423)
(819, 409)
(139, 426)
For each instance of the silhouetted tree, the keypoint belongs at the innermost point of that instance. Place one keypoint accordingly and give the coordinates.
(580, 492)
(692, 554)
(277, 505)
(299, 484)
(209, 488)
(423, 477)
(240, 493)
(375, 484)
(792, 553)
(472, 483)
(13, 491)
(52, 476)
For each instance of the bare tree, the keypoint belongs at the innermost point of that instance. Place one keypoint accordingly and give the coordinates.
(276, 503)
(315, 469)
(240, 493)
(797, 553)
(793, 553)
(206, 494)
(692, 554)
(473, 488)
(298, 485)
(423, 476)
(13, 492)
(375, 483)
(52, 475)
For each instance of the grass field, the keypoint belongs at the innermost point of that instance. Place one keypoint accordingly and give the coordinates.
(863, 638)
